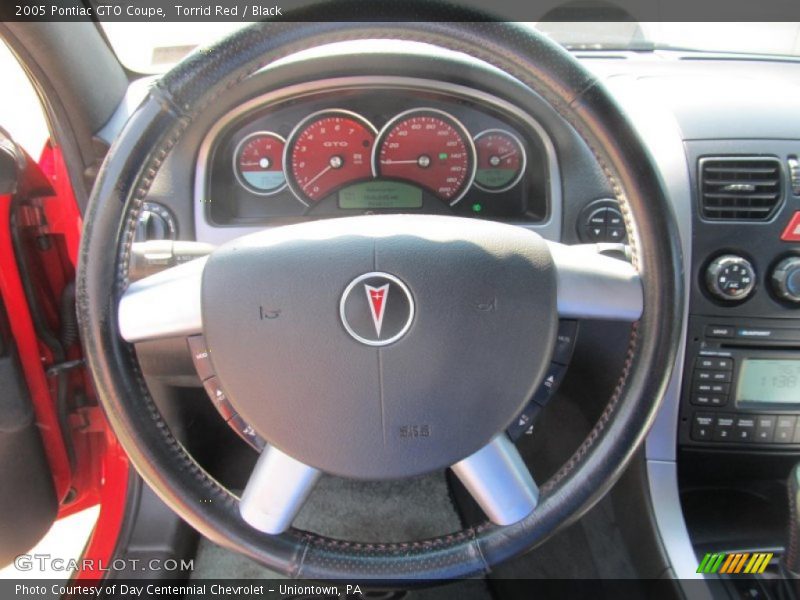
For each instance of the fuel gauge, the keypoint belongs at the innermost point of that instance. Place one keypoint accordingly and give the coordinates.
(501, 160)
(258, 163)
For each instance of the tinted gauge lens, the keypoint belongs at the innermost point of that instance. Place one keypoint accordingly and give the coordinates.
(258, 163)
(501, 160)
(327, 151)
(429, 148)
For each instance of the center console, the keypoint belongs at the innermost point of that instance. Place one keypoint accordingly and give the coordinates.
(739, 420)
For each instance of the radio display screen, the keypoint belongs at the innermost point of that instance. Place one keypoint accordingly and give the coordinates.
(763, 381)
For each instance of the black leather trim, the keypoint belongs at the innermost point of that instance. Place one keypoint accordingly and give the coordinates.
(125, 179)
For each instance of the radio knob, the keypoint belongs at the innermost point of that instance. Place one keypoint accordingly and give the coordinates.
(730, 278)
(786, 279)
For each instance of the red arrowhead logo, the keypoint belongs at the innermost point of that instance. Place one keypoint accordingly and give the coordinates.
(377, 304)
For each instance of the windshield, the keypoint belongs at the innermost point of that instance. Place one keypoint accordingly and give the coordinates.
(155, 47)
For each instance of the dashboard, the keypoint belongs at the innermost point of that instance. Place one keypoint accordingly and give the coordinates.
(375, 146)
(406, 132)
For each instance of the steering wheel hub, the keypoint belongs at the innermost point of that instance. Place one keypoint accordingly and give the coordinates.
(445, 327)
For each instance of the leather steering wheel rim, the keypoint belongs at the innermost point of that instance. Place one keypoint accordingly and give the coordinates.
(140, 152)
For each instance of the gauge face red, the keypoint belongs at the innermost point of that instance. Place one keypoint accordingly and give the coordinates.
(258, 163)
(328, 151)
(501, 160)
(429, 148)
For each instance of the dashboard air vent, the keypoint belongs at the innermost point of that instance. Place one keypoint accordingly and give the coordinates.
(740, 188)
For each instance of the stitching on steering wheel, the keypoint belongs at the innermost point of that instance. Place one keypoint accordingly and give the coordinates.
(185, 116)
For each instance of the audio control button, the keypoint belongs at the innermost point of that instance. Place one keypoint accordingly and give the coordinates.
(702, 426)
(714, 363)
(765, 429)
(745, 429)
(784, 429)
(200, 357)
(723, 428)
(719, 331)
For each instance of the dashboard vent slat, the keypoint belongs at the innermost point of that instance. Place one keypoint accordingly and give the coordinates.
(740, 188)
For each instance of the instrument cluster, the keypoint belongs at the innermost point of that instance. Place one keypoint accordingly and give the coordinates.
(371, 151)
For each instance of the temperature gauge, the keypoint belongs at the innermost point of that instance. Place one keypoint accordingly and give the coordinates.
(258, 163)
(501, 160)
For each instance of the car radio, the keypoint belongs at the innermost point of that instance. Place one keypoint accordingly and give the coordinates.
(741, 385)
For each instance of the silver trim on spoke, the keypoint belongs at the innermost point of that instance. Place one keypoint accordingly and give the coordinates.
(596, 286)
(499, 481)
(276, 491)
(163, 305)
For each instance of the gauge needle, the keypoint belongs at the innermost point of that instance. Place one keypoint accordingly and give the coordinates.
(400, 162)
(505, 156)
(317, 176)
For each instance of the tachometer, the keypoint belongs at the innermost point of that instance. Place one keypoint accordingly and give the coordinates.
(326, 151)
(427, 147)
(501, 160)
(258, 163)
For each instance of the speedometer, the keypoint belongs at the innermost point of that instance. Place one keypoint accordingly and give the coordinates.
(326, 151)
(427, 147)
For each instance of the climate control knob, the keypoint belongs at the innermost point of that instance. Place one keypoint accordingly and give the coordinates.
(786, 279)
(730, 277)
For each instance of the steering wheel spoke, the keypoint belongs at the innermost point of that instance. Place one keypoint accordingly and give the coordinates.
(499, 481)
(595, 286)
(163, 305)
(276, 491)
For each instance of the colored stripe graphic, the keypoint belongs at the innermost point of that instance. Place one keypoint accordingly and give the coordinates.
(736, 563)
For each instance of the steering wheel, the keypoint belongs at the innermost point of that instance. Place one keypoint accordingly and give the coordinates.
(385, 313)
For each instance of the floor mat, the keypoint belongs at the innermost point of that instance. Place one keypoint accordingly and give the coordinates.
(393, 511)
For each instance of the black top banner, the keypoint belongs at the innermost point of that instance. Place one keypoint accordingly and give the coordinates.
(399, 10)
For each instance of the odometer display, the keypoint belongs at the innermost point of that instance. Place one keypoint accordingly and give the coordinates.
(429, 148)
(258, 163)
(327, 151)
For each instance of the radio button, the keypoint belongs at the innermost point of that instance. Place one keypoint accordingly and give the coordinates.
(784, 429)
(708, 387)
(723, 428)
(719, 331)
(714, 363)
(745, 429)
(701, 400)
(765, 428)
(721, 376)
(702, 426)
(796, 438)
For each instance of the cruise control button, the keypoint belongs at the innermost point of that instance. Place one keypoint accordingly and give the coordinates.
(200, 356)
(745, 429)
(784, 429)
(565, 341)
(765, 428)
(723, 428)
(702, 426)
